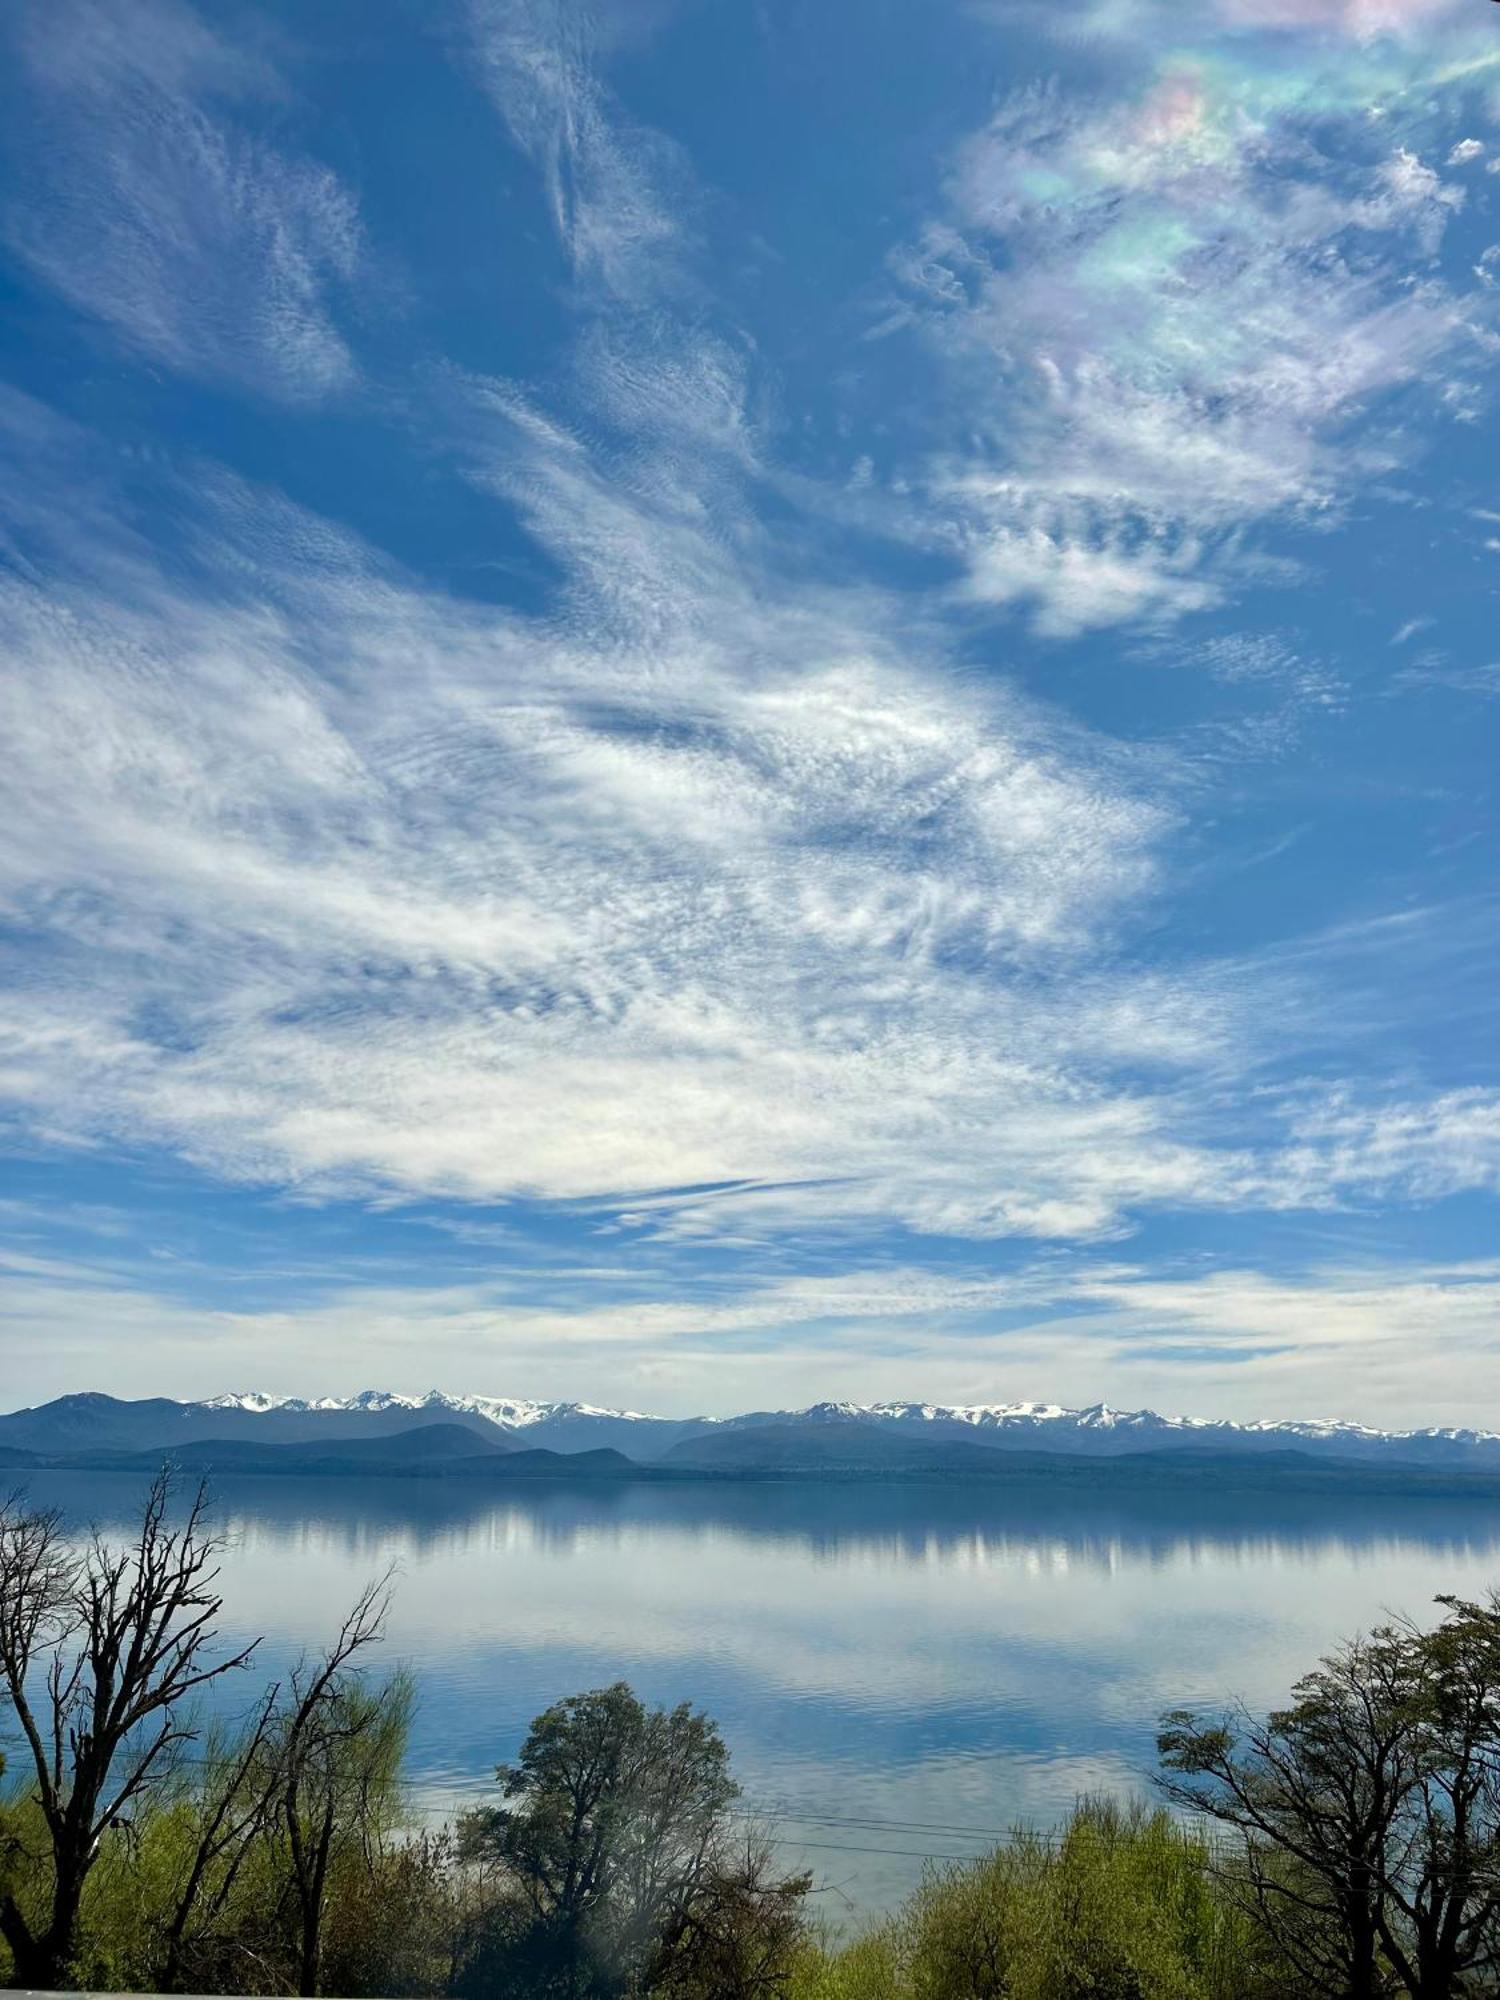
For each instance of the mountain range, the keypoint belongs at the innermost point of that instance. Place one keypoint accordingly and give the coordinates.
(381, 1430)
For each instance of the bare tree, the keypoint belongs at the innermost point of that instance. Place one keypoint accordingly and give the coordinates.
(336, 1753)
(230, 1811)
(99, 1649)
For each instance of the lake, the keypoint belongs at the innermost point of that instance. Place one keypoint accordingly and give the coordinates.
(901, 1673)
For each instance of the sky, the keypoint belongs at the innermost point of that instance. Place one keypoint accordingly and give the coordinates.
(706, 705)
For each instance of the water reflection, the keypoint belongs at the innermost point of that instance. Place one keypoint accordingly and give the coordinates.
(901, 1662)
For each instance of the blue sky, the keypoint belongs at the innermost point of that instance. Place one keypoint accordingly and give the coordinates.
(708, 705)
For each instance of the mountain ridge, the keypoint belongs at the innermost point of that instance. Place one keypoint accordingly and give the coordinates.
(818, 1454)
(92, 1421)
(1099, 1417)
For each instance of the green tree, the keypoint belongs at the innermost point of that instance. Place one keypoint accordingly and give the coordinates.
(613, 1834)
(741, 1937)
(211, 1832)
(1368, 1812)
(395, 1920)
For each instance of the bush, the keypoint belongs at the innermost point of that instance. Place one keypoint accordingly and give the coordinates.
(1123, 1905)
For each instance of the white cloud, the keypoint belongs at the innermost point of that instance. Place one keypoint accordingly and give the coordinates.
(620, 193)
(1081, 567)
(1361, 21)
(1392, 1346)
(146, 200)
(1380, 1343)
(1421, 1150)
(355, 885)
(1170, 312)
(1410, 629)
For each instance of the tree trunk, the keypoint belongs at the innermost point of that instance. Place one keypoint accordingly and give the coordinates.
(310, 1944)
(23, 1946)
(1364, 1969)
(41, 1963)
(43, 1959)
(307, 1970)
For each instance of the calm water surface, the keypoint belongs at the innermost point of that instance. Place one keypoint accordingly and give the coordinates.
(899, 1673)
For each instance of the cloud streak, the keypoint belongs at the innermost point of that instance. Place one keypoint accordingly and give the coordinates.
(619, 192)
(358, 887)
(144, 197)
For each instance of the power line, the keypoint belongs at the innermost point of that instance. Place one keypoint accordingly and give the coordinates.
(849, 1847)
(868, 1825)
(767, 1815)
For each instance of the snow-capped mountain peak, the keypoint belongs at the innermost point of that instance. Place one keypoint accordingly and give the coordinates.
(1047, 1421)
(1097, 1430)
(511, 1413)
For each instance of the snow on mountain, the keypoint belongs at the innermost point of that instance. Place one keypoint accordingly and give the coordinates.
(1099, 1417)
(103, 1423)
(1047, 1422)
(509, 1412)
(259, 1404)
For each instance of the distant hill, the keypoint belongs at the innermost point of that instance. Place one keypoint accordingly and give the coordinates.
(865, 1452)
(433, 1451)
(812, 1448)
(835, 1438)
(851, 1454)
(105, 1423)
(1095, 1430)
(428, 1445)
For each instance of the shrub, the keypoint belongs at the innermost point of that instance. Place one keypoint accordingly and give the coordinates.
(1123, 1905)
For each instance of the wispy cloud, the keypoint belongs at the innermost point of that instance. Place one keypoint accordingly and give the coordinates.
(716, 874)
(1438, 672)
(1179, 305)
(354, 885)
(1410, 629)
(145, 196)
(1422, 1150)
(441, 898)
(621, 194)
(1421, 1338)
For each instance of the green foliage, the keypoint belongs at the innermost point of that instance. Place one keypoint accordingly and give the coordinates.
(395, 1924)
(102, 1651)
(871, 1968)
(1124, 1905)
(616, 1866)
(388, 1925)
(739, 1937)
(1367, 1813)
(611, 1807)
